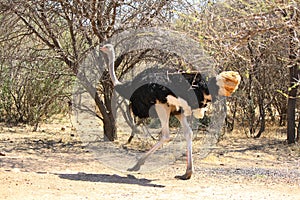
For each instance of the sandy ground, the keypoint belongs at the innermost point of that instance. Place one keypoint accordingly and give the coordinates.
(53, 164)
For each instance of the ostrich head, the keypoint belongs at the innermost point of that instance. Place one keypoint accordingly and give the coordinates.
(108, 49)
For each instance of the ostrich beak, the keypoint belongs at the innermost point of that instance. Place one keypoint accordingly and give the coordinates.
(104, 49)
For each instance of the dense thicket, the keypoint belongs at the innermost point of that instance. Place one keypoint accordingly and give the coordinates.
(259, 39)
(43, 42)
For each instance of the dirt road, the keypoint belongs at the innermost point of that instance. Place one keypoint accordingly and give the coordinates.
(53, 164)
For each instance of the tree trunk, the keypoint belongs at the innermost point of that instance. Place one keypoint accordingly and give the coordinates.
(261, 76)
(109, 123)
(291, 105)
(262, 115)
(258, 76)
(109, 127)
(110, 130)
(292, 92)
(298, 131)
(282, 116)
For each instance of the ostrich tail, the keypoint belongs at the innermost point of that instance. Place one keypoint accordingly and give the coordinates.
(228, 82)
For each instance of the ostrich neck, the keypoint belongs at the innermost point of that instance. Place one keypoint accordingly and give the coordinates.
(112, 70)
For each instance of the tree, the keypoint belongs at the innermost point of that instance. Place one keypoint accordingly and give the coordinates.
(33, 86)
(69, 29)
(291, 15)
(260, 39)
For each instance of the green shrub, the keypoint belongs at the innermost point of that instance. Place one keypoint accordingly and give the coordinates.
(30, 92)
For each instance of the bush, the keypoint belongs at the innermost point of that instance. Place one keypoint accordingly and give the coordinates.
(30, 93)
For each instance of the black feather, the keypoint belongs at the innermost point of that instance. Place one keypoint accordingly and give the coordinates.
(155, 84)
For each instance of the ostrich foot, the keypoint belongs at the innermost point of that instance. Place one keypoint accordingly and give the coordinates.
(137, 166)
(186, 176)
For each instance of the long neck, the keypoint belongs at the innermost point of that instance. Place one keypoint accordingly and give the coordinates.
(111, 69)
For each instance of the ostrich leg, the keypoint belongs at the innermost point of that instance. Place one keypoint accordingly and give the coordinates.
(188, 133)
(163, 112)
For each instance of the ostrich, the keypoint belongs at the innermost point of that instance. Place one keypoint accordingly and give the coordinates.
(167, 92)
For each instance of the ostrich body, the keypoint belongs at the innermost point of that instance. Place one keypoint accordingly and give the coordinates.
(170, 93)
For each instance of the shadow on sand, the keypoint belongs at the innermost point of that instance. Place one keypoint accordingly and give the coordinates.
(106, 178)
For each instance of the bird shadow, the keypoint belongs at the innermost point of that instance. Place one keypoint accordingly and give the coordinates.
(107, 178)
